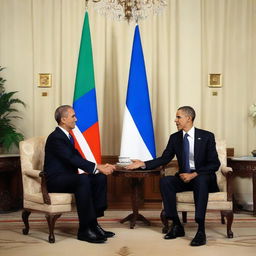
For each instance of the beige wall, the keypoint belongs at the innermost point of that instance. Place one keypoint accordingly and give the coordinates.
(191, 39)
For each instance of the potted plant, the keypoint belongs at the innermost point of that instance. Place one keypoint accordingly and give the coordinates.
(9, 134)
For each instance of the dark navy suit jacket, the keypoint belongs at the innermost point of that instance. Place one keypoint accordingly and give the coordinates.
(62, 158)
(205, 154)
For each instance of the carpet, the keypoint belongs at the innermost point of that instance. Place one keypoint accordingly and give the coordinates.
(142, 240)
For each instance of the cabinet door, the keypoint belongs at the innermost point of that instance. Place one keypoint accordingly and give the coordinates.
(11, 192)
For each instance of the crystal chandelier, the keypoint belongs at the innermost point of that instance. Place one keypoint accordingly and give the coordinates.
(130, 10)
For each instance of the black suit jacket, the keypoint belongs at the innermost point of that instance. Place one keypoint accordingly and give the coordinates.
(205, 154)
(62, 158)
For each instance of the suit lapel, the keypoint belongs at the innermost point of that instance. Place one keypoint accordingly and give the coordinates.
(198, 140)
(62, 134)
(180, 144)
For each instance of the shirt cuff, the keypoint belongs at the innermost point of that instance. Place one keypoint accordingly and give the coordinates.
(95, 171)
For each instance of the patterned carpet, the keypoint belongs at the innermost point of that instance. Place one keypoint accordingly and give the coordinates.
(142, 240)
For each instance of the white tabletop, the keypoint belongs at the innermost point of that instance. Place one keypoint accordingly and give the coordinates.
(244, 158)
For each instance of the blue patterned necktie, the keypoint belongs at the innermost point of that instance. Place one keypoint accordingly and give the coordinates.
(186, 167)
(71, 139)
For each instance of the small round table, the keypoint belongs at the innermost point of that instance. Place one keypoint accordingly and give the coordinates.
(136, 182)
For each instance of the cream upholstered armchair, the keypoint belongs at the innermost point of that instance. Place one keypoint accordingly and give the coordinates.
(219, 201)
(36, 198)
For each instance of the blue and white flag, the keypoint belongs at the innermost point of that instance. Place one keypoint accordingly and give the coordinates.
(138, 140)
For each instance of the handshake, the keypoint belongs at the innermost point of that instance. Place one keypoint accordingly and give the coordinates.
(108, 169)
(131, 164)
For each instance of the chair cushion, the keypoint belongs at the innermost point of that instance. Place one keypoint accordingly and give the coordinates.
(213, 205)
(48, 208)
(56, 198)
(187, 197)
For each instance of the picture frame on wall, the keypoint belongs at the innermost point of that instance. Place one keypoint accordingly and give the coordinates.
(45, 80)
(215, 80)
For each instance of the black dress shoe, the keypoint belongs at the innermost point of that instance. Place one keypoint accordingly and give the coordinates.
(90, 236)
(199, 239)
(176, 231)
(100, 231)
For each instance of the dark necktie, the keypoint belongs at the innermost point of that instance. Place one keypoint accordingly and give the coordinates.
(71, 139)
(186, 167)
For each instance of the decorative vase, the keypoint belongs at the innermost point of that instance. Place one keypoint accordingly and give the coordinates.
(254, 152)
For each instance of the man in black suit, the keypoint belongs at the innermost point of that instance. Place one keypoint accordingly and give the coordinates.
(198, 161)
(61, 165)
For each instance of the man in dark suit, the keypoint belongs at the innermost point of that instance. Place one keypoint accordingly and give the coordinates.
(61, 165)
(198, 161)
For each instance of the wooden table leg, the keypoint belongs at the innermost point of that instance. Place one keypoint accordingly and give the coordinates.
(136, 186)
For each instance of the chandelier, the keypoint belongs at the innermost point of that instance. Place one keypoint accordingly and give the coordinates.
(130, 10)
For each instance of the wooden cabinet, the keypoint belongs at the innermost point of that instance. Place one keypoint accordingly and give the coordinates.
(11, 193)
(245, 167)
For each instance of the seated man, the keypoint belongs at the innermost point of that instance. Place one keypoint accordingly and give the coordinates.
(61, 165)
(198, 161)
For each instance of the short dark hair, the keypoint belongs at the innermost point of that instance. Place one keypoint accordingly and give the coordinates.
(189, 111)
(60, 112)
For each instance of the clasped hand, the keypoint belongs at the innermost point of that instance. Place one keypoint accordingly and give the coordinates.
(106, 169)
(136, 164)
(187, 177)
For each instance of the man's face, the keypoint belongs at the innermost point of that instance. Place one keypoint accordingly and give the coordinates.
(69, 120)
(183, 121)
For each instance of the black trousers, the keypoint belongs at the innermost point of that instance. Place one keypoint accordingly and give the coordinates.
(90, 193)
(200, 185)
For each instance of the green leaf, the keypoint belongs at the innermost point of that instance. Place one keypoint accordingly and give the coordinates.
(8, 133)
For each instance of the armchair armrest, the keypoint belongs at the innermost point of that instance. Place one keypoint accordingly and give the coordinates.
(226, 170)
(169, 169)
(46, 197)
(33, 173)
(228, 173)
(40, 174)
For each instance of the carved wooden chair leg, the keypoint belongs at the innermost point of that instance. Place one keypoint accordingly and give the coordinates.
(222, 218)
(230, 216)
(51, 219)
(184, 217)
(165, 222)
(25, 215)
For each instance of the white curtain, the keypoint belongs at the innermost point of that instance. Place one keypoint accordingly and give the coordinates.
(229, 45)
(191, 39)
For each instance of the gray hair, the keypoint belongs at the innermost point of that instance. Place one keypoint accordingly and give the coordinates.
(189, 111)
(60, 112)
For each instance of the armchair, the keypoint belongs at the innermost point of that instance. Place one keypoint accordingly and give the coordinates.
(218, 201)
(35, 195)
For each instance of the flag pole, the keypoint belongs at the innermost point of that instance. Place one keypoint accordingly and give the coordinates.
(86, 4)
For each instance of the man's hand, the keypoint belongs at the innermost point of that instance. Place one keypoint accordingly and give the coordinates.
(187, 177)
(135, 165)
(106, 168)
